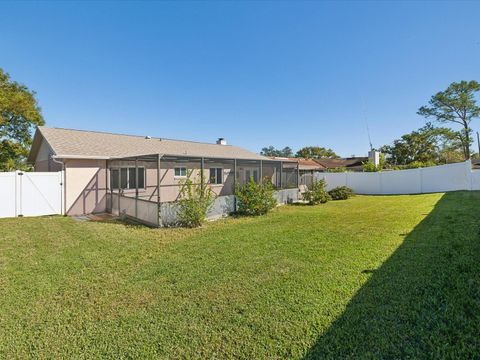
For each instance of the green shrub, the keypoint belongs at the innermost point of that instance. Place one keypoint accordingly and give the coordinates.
(369, 166)
(337, 170)
(316, 193)
(255, 199)
(341, 193)
(419, 164)
(194, 204)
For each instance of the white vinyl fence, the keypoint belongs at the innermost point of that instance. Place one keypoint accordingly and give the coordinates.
(31, 193)
(450, 177)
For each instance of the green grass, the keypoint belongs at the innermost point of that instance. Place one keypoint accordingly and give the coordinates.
(370, 277)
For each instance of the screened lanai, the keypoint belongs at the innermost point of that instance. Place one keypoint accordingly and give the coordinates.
(146, 187)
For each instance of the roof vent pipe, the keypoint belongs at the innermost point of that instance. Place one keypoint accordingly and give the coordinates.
(221, 141)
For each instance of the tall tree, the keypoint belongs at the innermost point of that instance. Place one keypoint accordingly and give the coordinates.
(272, 151)
(316, 152)
(19, 114)
(427, 144)
(457, 104)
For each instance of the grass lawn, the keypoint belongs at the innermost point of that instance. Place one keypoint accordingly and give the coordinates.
(386, 276)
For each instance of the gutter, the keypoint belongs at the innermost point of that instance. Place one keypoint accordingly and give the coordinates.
(82, 157)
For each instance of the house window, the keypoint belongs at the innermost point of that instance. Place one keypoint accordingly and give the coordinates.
(180, 172)
(216, 176)
(114, 177)
(125, 177)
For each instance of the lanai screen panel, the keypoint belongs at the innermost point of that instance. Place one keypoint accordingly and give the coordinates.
(271, 171)
(248, 169)
(289, 175)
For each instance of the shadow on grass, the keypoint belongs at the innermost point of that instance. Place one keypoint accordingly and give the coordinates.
(424, 301)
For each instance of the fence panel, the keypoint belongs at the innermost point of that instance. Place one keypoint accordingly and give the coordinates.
(401, 182)
(450, 177)
(31, 193)
(8, 194)
(41, 193)
(366, 183)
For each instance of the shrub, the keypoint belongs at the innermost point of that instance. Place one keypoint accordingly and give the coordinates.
(337, 170)
(255, 199)
(341, 193)
(369, 166)
(194, 204)
(419, 164)
(316, 194)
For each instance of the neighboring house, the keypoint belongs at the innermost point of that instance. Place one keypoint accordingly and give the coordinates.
(103, 168)
(476, 164)
(350, 164)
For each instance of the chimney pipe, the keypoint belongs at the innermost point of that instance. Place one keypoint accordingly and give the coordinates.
(221, 141)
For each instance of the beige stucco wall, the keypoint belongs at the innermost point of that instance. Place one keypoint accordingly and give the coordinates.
(43, 162)
(85, 186)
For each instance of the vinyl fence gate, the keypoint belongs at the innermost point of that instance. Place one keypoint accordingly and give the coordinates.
(31, 193)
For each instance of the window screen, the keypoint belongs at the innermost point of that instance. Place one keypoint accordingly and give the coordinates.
(216, 176)
(125, 177)
(180, 171)
(141, 178)
(114, 178)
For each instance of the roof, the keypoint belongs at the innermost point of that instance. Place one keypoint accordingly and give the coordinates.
(71, 143)
(303, 164)
(340, 163)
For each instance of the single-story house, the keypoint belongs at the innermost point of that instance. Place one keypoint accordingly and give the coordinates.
(142, 176)
(350, 164)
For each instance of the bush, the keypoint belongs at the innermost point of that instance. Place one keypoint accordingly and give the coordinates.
(194, 204)
(337, 170)
(255, 199)
(419, 164)
(341, 193)
(316, 193)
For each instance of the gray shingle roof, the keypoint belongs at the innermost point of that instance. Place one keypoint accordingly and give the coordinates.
(89, 144)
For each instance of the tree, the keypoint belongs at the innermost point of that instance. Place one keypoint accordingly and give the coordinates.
(316, 152)
(425, 145)
(272, 151)
(456, 104)
(19, 114)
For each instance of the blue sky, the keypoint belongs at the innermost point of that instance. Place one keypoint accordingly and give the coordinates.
(257, 73)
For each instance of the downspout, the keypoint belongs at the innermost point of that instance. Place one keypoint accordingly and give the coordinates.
(63, 184)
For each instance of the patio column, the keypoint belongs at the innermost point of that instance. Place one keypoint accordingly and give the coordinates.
(234, 184)
(159, 209)
(202, 166)
(281, 174)
(108, 176)
(298, 174)
(261, 171)
(136, 188)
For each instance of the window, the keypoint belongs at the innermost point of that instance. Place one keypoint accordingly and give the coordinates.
(180, 172)
(125, 177)
(114, 178)
(216, 176)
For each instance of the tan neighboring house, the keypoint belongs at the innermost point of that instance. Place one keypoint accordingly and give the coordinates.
(349, 164)
(99, 166)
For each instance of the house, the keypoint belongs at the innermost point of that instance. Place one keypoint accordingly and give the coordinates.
(141, 176)
(350, 164)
